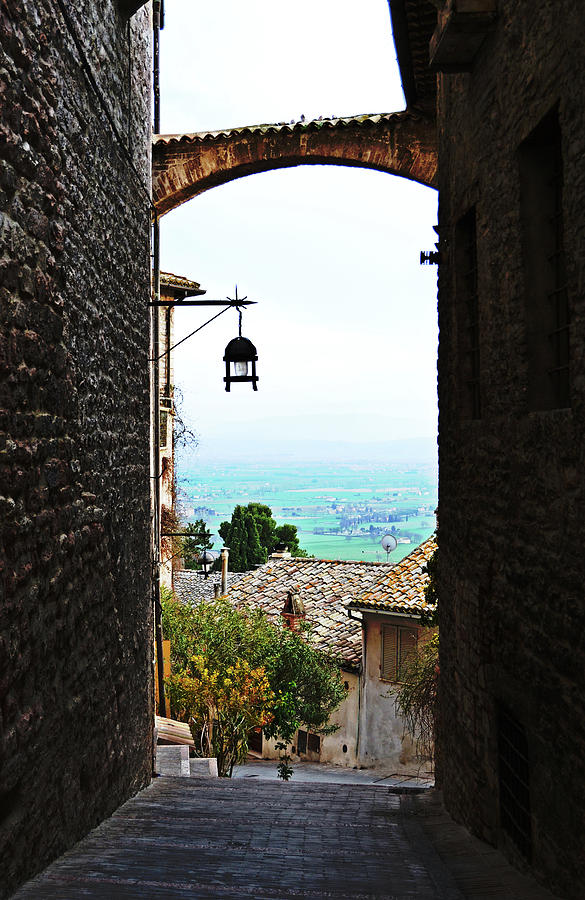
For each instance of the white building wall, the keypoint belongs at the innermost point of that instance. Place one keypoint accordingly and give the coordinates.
(332, 745)
(382, 731)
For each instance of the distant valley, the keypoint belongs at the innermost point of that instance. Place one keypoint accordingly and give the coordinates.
(341, 509)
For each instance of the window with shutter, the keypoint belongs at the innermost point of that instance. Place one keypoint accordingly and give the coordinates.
(398, 644)
(164, 429)
(389, 654)
(408, 641)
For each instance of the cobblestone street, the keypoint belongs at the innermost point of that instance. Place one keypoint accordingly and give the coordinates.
(193, 837)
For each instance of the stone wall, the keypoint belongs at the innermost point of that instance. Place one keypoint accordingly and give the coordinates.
(512, 492)
(75, 558)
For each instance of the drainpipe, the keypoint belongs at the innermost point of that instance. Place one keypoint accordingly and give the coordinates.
(156, 21)
(225, 551)
(361, 674)
(158, 634)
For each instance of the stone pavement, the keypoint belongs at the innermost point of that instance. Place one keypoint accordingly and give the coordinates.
(330, 774)
(269, 840)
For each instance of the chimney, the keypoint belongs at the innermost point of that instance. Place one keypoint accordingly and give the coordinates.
(293, 610)
(281, 551)
(225, 552)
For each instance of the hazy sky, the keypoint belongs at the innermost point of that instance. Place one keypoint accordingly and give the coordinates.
(345, 324)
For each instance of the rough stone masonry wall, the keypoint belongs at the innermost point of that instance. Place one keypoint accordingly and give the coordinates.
(512, 491)
(75, 610)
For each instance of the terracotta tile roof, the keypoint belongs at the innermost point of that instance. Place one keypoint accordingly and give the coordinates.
(184, 285)
(401, 588)
(325, 587)
(191, 586)
(360, 121)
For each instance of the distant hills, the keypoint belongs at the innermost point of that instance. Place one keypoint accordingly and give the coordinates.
(406, 450)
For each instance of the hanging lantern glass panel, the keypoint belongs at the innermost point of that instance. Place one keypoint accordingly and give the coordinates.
(240, 362)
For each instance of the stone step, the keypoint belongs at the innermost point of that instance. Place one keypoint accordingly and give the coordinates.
(174, 760)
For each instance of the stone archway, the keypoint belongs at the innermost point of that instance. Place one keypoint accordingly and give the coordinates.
(184, 166)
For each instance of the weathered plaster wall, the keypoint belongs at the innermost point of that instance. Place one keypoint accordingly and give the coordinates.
(512, 493)
(382, 738)
(75, 611)
(346, 717)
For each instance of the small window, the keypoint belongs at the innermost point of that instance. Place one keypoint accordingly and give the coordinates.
(514, 778)
(467, 315)
(308, 743)
(547, 299)
(301, 742)
(314, 743)
(398, 644)
(164, 427)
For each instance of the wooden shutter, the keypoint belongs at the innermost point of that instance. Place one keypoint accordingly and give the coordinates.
(408, 642)
(389, 652)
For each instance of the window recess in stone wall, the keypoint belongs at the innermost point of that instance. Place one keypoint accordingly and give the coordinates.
(398, 644)
(467, 306)
(514, 781)
(164, 429)
(547, 300)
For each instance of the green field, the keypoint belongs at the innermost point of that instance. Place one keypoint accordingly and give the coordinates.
(350, 497)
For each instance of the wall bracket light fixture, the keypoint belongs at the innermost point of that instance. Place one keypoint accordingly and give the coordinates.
(240, 356)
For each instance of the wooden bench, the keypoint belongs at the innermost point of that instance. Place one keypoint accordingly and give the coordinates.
(171, 732)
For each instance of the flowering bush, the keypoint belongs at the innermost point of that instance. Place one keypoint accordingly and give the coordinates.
(222, 707)
(236, 670)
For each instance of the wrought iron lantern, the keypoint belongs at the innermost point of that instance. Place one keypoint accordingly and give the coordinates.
(207, 558)
(240, 360)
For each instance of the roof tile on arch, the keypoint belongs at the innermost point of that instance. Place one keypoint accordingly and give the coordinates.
(325, 587)
(328, 589)
(363, 121)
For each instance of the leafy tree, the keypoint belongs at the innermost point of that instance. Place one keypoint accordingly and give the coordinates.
(265, 524)
(252, 535)
(193, 546)
(241, 536)
(287, 535)
(305, 682)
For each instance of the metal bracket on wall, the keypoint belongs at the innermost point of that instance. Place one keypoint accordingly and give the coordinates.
(178, 303)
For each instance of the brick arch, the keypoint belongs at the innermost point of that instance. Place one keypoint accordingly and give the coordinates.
(186, 165)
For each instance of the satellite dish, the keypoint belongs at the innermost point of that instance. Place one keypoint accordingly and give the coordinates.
(389, 543)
